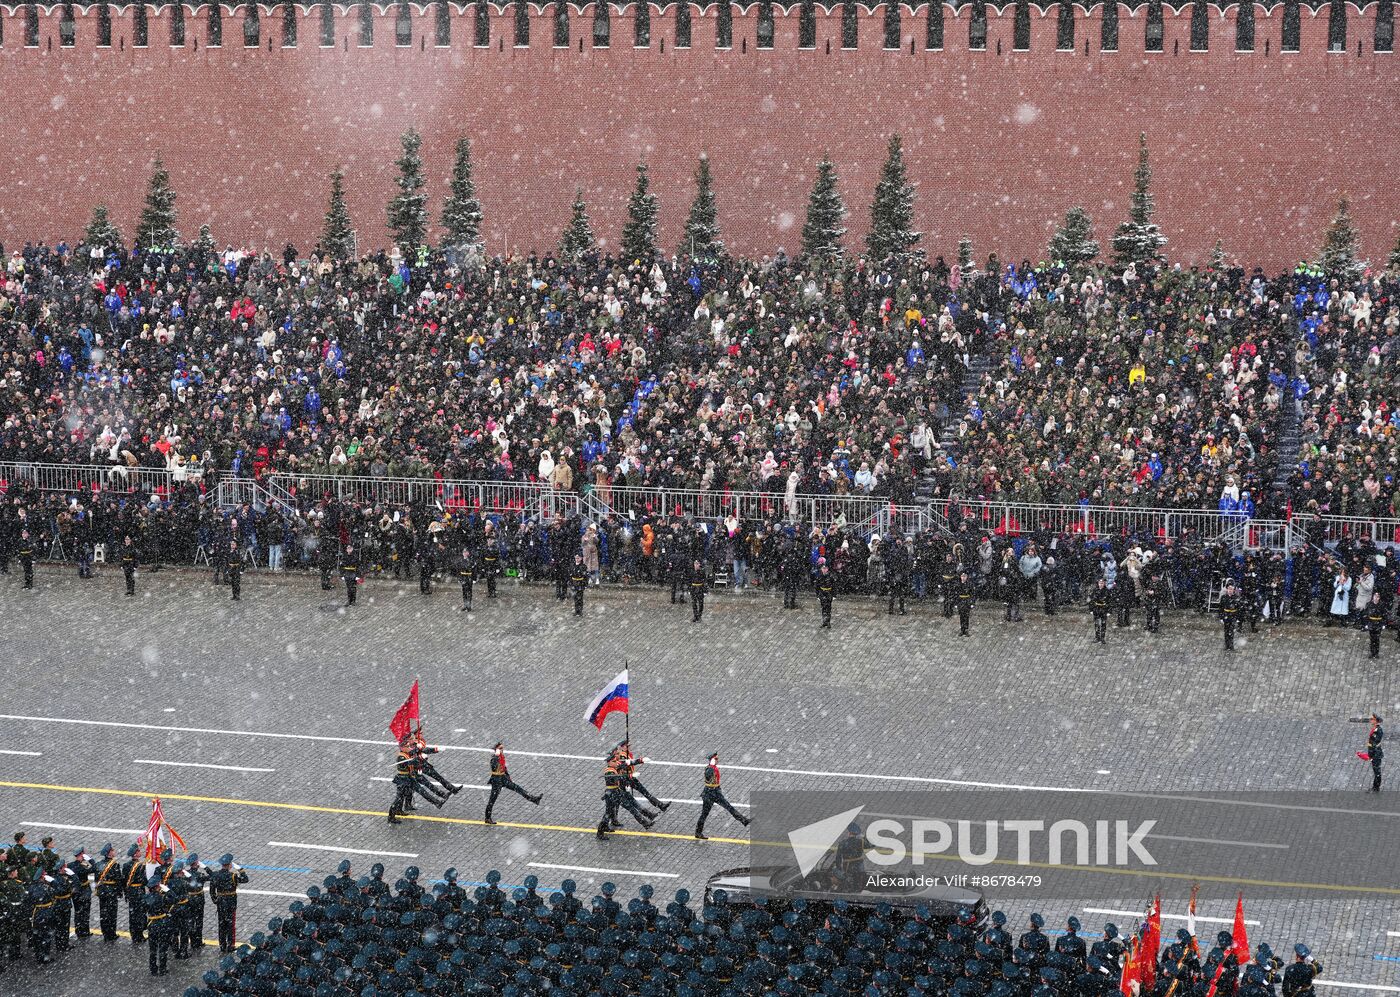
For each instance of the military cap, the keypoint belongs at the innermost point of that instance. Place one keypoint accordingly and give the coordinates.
(1073, 923)
(1110, 931)
(1223, 939)
(344, 867)
(1183, 936)
(1301, 951)
(131, 852)
(1037, 921)
(998, 918)
(226, 859)
(376, 870)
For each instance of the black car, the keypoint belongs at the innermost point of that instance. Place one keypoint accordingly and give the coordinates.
(780, 885)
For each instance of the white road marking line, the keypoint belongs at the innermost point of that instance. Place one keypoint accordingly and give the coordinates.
(1393, 934)
(346, 851)
(168, 709)
(198, 765)
(31, 754)
(81, 827)
(667, 799)
(1356, 986)
(388, 778)
(1166, 917)
(605, 872)
(1102, 772)
(269, 893)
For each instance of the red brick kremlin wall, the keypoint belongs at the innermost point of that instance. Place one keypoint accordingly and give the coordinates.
(1254, 148)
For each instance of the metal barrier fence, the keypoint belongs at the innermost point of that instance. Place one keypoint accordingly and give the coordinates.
(85, 477)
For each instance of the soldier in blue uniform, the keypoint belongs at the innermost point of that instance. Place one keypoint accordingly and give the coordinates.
(1071, 945)
(350, 573)
(84, 874)
(198, 875)
(712, 795)
(223, 884)
(158, 920)
(39, 898)
(465, 571)
(1298, 977)
(1229, 613)
(1373, 619)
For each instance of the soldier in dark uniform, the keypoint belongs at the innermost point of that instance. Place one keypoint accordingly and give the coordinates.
(1098, 605)
(964, 594)
(179, 885)
(158, 918)
(12, 914)
(128, 563)
(1272, 578)
(84, 873)
(501, 780)
(235, 570)
(426, 771)
(62, 913)
(350, 572)
(676, 564)
(490, 559)
(1298, 978)
(1375, 749)
(1049, 584)
(948, 584)
(712, 796)
(39, 898)
(326, 547)
(1152, 599)
(26, 557)
(1008, 584)
(1229, 613)
(466, 574)
(1034, 941)
(699, 582)
(848, 869)
(427, 564)
(1374, 622)
(615, 796)
(109, 889)
(826, 589)
(198, 878)
(223, 884)
(898, 565)
(629, 771)
(1249, 592)
(1071, 945)
(793, 566)
(578, 581)
(134, 890)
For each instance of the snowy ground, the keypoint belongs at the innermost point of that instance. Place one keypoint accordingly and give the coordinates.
(285, 697)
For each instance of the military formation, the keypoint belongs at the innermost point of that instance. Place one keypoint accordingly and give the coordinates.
(357, 937)
(46, 900)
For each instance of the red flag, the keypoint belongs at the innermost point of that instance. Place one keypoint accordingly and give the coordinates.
(1240, 946)
(1132, 972)
(1151, 945)
(400, 725)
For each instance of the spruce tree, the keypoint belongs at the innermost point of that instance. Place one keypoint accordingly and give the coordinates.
(577, 240)
(156, 229)
(965, 254)
(1138, 240)
(1339, 246)
(640, 233)
(461, 213)
(205, 242)
(824, 226)
(892, 234)
(101, 232)
(701, 238)
(1218, 261)
(408, 213)
(338, 239)
(1073, 244)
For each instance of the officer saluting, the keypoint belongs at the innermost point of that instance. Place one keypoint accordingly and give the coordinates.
(128, 562)
(501, 780)
(223, 883)
(826, 588)
(350, 573)
(578, 581)
(712, 796)
(1229, 613)
(1298, 978)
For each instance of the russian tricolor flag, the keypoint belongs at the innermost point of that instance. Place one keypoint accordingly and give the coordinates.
(613, 699)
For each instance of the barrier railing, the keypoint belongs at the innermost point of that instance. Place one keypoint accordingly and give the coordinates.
(85, 477)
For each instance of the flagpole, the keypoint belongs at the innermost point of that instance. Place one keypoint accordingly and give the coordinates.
(627, 717)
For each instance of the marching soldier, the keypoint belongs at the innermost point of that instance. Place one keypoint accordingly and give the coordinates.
(826, 589)
(578, 581)
(426, 770)
(198, 874)
(26, 558)
(350, 573)
(1098, 605)
(712, 796)
(631, 783)
(235, 571)
(158, 917)
(408, 767)
(501, 780)
(615, 795)
(490, 559)
(1298, 978)
(128, 563)
(1374, 621)
(898, 564)
(466, 574)
(698, 584)
(109, 889)
(1229, 613)
(84, 873)
(134, 889)
(1375, 750)
(426, 566)
(964, 597)
(223, 884)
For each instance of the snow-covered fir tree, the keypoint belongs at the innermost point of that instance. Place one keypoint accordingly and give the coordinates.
(461, 212)
(1138, 240)
(892, 234)
(824, 227)
(639, 234)
(338, 239)
(701, 239)
(577, 239)
(1339, 247)
(1073, 243)
(156, 229)
(408, 209)
(101, 231)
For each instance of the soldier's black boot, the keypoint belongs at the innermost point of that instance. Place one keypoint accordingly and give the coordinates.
(536, 798)
(700, 833)
(488, 819)
(603, 828)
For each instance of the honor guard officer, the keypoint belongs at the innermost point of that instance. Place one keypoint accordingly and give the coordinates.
(899, 563)
(578, 581)
(39, 897)
(427, 564)
(1229, 613)
(199, 876)
(490, 559)
(158, 919)
(466, 574)
(223, 884)
(501, 780)
(235, 570)
(26, 558)
(964, 596)
(1152, 600)
(632, 784)
(1375, 749)
(109, 889)
(712, 796)
(826, 590)
(134, 889)
(350, 573)
(615, 796)
(84, 874)
(128, 562)
(948, 585)
(62, 913)
(426, 770)
(1098, 605)
(697, 584)
(1374, 621)
(1298, 978)
(792, 568)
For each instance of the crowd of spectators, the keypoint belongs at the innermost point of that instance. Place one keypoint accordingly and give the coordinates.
(1164, 388)
(359, 938)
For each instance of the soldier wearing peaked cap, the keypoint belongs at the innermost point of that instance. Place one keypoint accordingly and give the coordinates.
(199, 876)
(134, 890)
(109, 890)
(500, 781)
(1298, 977)
(712, 796)
(235, 578)
(465, 572)
(825, 584)
(223, 884)
(350, 572)
(1375, 751)
(84, 874)
(1071, 945)
(158, 902)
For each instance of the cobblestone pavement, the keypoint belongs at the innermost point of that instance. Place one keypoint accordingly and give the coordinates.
(295, 692)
